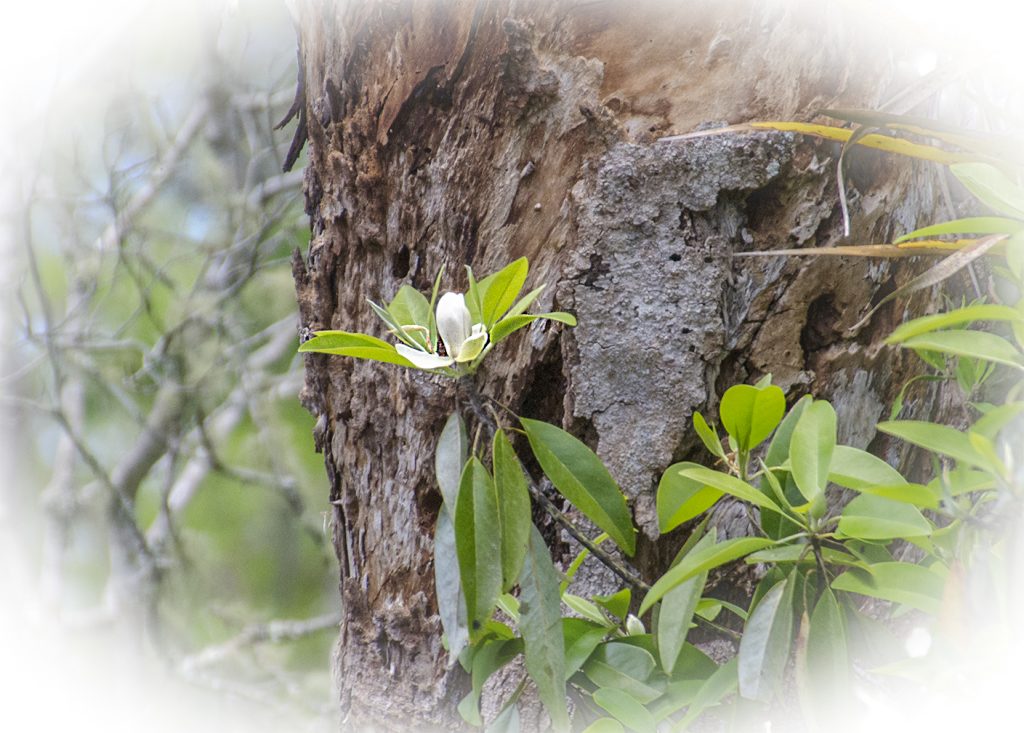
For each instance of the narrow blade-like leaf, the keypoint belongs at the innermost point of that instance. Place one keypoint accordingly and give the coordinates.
(513, 508)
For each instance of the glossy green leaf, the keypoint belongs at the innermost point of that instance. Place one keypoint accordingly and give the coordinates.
(811, 447)
(708, 436)
(449, 460)
(478, 543)
(764, 646)
(973, 344)
(939, 438)
(581, 478)
(750, 414)
(451, 606)
(870, 517)
(675, 612)
(626, 709)
(900, 582)
(541, 626)
(697, 561)
(730, 485)
(514, 511)
(625, 667)
(500, 290)
(969, 225)
(581, 639)
(722, 683)
(992, 187)
(510, 324)
(488, 659)
(680, 499)
(957, 317)
(853, 468)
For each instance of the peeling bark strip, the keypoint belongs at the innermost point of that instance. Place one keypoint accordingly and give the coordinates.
(455, 132)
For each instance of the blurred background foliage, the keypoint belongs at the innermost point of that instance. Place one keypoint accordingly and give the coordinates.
(163, 484)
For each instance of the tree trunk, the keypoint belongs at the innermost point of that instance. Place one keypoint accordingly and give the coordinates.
(453, 133)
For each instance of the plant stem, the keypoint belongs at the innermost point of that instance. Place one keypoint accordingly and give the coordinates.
(476, 406)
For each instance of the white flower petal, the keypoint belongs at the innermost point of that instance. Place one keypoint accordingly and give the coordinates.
(423, 360)
(453, 322)
(472, 346)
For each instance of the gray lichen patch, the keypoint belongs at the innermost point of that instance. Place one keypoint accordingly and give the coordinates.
(655, 225)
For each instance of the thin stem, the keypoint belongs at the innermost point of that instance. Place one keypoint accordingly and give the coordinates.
(479, 411)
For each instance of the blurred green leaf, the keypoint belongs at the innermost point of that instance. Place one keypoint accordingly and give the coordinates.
(870, 517)
(853, 468)
(451, 605)
(764, 647)
(992, 187)
(626, 708)
(675, 612)
(449, 460)
(901, 582)
(975, 344)
(939, 438)
(625, 667)
(541, 627)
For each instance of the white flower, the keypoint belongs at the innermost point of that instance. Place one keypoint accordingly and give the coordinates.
(463, 340)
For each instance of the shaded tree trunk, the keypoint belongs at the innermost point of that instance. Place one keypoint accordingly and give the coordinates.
(452, 133)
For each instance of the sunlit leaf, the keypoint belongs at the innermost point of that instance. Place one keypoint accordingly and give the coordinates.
(853, 468)
(992, 187)
(939, 438)
(969, 225)
(512, 323)
(730, 485)
(680, 499)
(708, 436)
(500, 290)
(957, 317)
(973, 344)
(750, 414)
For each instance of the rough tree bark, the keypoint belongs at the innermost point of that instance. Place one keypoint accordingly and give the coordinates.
(474, 132)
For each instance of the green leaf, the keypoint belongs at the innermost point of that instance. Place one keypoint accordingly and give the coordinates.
(730, 485)
(394, 327)
(827, 661)
(900, 582)
(708, 436)
(581, 639)
(586, 609)
(357, 345)
(510, 324)
(507, 721)
(433, 304)
(525, 302)
(449, 460)
(581, 478)
(969, 225)
(698, 561)
(720, 684)
(811, 448)
(474, 298)
(478, 543)
(870, 517)
(680, 499)
(514, 511)
(617, 604)
(938, 438)
(675, 612)
(853, 468)
(605, 725)
(624, 667)
(958, 317)
(974, 344)
(777, 525)
(410, 307)
(451, 606)
(625, 708)
(992, 187)
(541, 627)
(764, 646)
(750, 414)
(915, 494)
(499, 291)
(488, 659)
